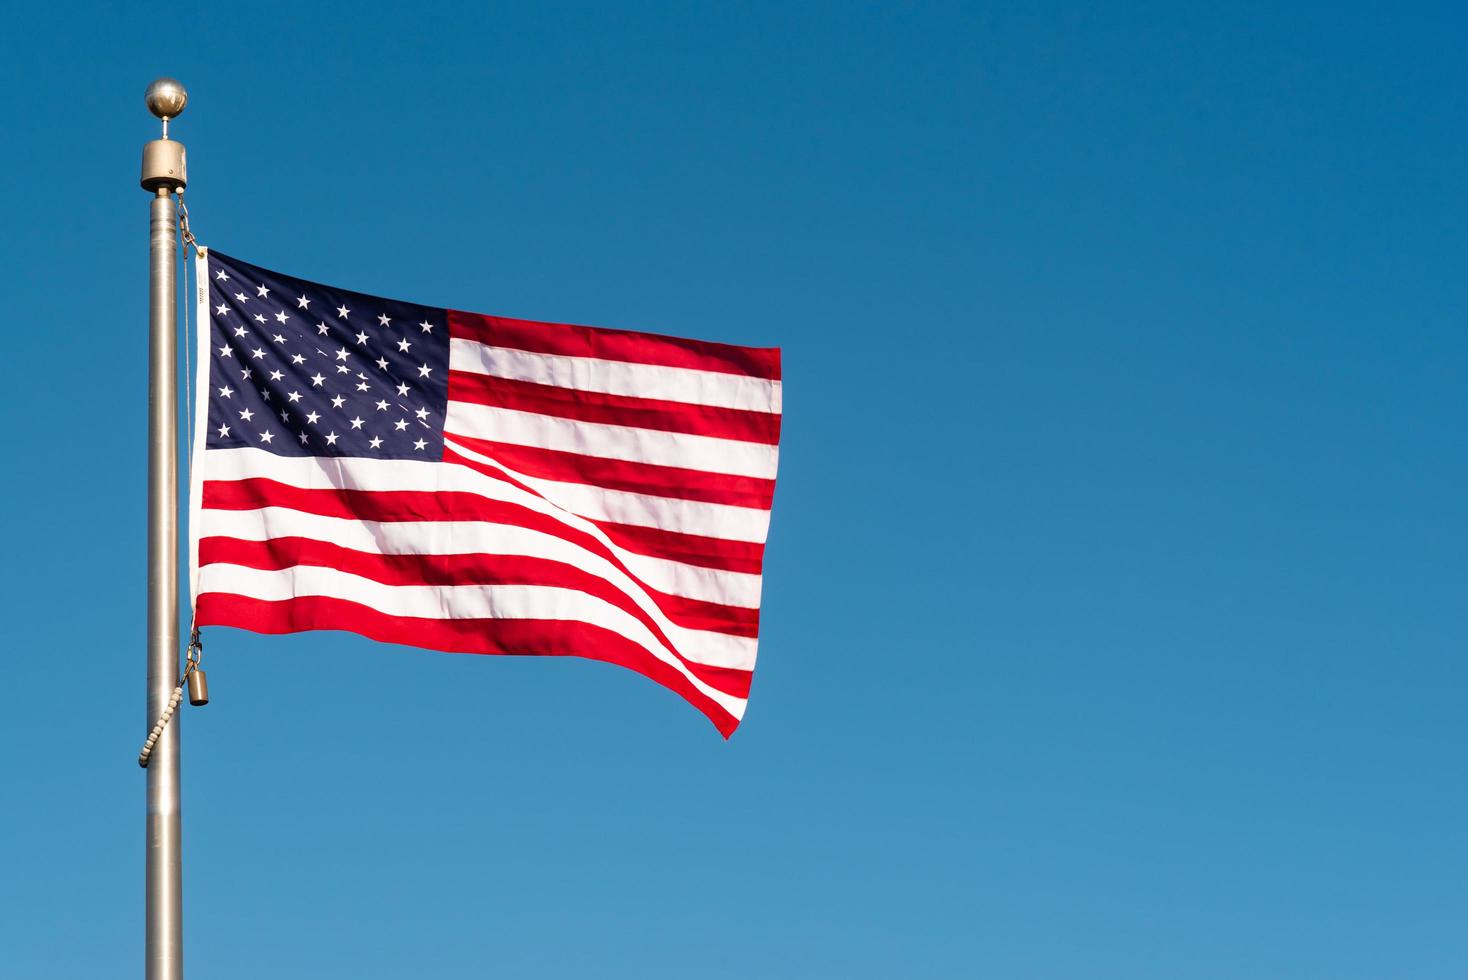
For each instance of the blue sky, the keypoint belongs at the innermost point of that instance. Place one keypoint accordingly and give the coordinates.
(1114, 606)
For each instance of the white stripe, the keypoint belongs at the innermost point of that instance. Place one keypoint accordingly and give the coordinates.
(616, 377)
(452, 602)
(471, 538)
(681, 449)
(641, 509)
(353, 473)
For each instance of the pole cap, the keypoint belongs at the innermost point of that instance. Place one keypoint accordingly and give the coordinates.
(166, 98)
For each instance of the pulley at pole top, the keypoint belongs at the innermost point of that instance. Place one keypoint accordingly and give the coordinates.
(165, 166)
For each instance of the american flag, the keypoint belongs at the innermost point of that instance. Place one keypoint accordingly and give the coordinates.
(480, 484)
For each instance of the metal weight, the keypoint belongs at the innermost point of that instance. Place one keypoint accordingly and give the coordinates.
(198, 688)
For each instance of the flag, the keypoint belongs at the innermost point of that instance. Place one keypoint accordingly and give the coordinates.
(479, 484)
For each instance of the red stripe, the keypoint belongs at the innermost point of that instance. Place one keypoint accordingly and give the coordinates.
(595, 406)
(615, 345)
(691, 549)
(476, 569)
(525, 637)
(619, 474)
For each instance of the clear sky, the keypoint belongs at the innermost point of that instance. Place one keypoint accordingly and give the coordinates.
(1115, 598)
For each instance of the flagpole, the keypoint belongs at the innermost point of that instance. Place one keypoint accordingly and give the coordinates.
(163, 172)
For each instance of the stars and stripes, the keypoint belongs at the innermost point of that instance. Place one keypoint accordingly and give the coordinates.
(481, 484)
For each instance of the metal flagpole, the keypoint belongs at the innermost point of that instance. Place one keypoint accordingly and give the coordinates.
(163, 174)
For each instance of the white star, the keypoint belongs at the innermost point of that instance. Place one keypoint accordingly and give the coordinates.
(223, 431)
(338, 401)
(341, 312)
(221, 309)
(294, 396)
(241, 297)
(247, 415)
(285, 417)
(276, 375)
(321, 329)
(425, 371)
(402, 389)
(361, 338)
(375, 442)
(419, 444)
(400, 424)
(264, 394)
(298, 359)
(258, 353)
(342, 354)
(245, 374)
(363, 386)
(382, 406)
(303, 438)
(282, 316)
(266, 436)
(427, 327)
(384, 319)
(342, 369)
(262, 291)
(382, 363)
(357, 423)
(403, 345)
(331, 438)
(278, 339)
(222, 276)
(302, 302)
(316, 380)
(312, 417)
(422, 413)
(226, 391)
(259, 318)
(226, 351)
(239, 331)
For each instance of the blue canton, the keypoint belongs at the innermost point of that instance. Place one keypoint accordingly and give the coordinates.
(300, 369)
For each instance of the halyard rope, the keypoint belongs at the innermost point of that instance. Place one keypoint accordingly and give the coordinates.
(186, 242)
(192, 657)
(196, 646)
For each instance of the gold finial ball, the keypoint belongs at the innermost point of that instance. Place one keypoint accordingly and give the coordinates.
(166, 98)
